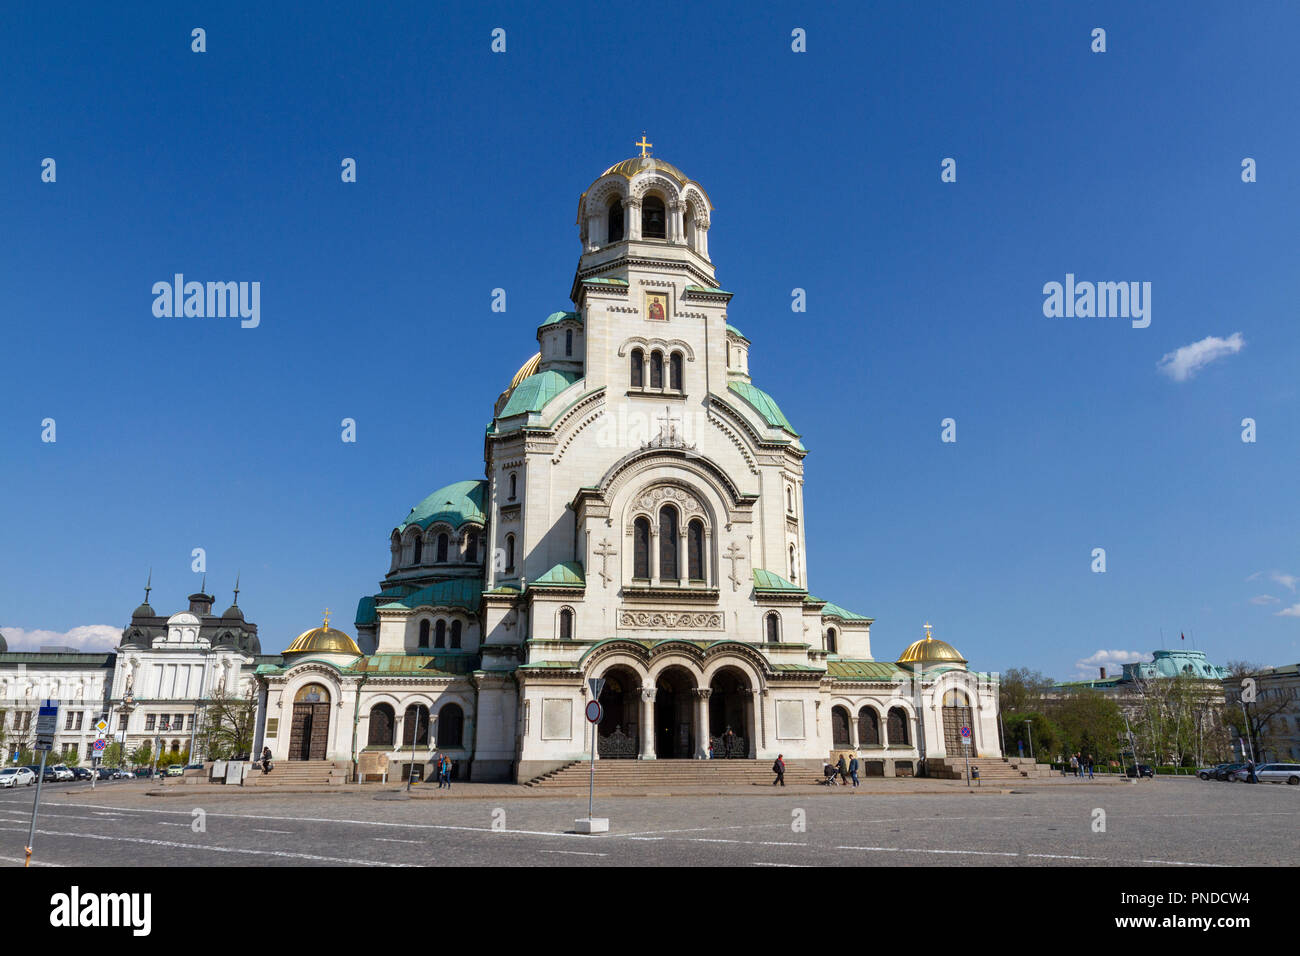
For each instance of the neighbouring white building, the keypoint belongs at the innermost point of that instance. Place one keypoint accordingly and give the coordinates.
(640, 520)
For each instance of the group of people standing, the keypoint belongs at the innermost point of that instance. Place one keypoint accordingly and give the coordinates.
(442, 766)
(1080, 764)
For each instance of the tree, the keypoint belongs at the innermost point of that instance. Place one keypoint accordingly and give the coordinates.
(1090, 723)
(228, 725)
(1044, 735)
(114, 754)
(143, 755)
(1258, 720)
(70, 757)
(1021, 689)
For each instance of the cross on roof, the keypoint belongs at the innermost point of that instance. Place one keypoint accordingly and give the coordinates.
(643, 144)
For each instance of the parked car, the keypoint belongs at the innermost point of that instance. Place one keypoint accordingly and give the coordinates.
(1141, 770)
(175, 770)
(144, 773)
(125, 774)
(80, 773)
(103, 773)
(1271, 773)
(16, 777)
(1207, 773)
(49, 776)
(62, 772)
(194, 766)
(1225, 771)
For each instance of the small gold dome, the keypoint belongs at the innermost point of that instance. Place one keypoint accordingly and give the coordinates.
(929, 651)
(324, 640)
(527, 369)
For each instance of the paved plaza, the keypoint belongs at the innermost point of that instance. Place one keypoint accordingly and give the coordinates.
(1173, 823)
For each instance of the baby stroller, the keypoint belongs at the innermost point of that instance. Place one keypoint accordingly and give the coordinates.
(830, 776)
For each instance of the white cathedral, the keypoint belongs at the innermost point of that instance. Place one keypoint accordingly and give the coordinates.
(641, 521)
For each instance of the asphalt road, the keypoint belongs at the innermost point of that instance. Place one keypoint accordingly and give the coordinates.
(1153, 823)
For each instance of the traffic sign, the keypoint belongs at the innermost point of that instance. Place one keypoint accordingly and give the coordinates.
(99, 744)
(965, 731)
(593, 711)
(101, 725)
(47, 722)
(597, 685)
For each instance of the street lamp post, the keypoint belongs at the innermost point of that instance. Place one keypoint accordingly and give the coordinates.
(1029, 725)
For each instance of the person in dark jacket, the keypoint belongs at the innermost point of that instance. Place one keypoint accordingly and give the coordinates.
(266, 760)
(842, 768)
(778, 768)
(853, 770)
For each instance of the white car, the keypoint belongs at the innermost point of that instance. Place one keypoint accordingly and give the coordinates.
(1272, 773)
(125, 775)
(62, 772)
(16, 776)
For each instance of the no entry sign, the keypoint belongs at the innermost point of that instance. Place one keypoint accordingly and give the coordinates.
(593, 711)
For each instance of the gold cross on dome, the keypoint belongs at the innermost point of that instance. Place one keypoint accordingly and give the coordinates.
(643, 144)
(327, 619)
(927, 632)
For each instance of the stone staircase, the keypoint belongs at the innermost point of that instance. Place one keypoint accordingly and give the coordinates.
(992, 769)
(301, 773)
(619, 774)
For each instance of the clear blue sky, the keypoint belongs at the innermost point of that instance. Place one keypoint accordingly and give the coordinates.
(924, 298)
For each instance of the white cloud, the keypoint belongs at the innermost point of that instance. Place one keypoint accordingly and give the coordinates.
(1183, 363)
(1111, 660)
(1287, 581)
(1264, 599)
(1292, 611)
(87, 637)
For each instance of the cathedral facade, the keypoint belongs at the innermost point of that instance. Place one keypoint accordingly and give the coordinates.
(641, 522)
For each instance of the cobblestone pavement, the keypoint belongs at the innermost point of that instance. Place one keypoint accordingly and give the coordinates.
(1156, 823)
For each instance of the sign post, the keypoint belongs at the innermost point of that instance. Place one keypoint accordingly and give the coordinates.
(965, 746)
(593, 824)
(47, 722)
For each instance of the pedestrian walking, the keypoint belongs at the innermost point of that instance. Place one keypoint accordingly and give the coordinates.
(728, 743)
(778, 768)
(842, 768)
(853, 770)
(1090, 777)
(1250, 772)
(446, 770)
(1074, 764)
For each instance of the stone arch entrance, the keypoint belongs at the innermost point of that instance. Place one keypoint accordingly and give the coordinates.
(674, 705)
(730, 725)
(309, 738)
(617, 733)
(840, 738)
(957, 713)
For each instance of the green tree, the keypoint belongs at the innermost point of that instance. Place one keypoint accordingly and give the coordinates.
(114, 754)
(1090, 722)
(1044, 735)
(1021, 690)
(142, 756)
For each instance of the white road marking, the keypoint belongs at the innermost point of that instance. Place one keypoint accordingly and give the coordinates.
(213, 849)
(901, 849)
(14, 859)
(761, 863)
(256, 830)
(378, 839)
(574, 852)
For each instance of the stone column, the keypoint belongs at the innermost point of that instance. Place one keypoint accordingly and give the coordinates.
(702, 721)
(654, 553)
(632, 208)
(853, 732)
(708, 569)
(751, 701)
(647, 729)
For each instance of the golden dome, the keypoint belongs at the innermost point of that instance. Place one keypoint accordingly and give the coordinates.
(324, 640)
(929, 651)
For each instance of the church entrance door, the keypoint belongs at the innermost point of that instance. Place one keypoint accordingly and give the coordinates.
(729, 724)
(957, 714)
(619, 701)
(309, 737)
(673, 730)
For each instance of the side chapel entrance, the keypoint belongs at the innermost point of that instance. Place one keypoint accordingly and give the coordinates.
(309, 738)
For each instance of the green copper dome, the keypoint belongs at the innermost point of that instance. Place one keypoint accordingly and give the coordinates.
(454, 504)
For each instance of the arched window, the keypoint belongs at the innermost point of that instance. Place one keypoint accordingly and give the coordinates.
(381, 726)
(773, 628)
(455, 635)
(695, 550)
(839, 727)
(510, 554)
(568, 341)
(898, 726)
(512, 486)
(419, 550)
(654, 222)
(831, 645)
(424, 634)
(615, 221)
(794, 569)
(451, 719)
(415, 726)
(656, 369)
(675, 371)
(641, 548)
(442, 549)
(471, 548)
(668, 544)
(176, 746)
(566, 624)
(868, 728)
(789, 499)
(440, 635)
(638, 368)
